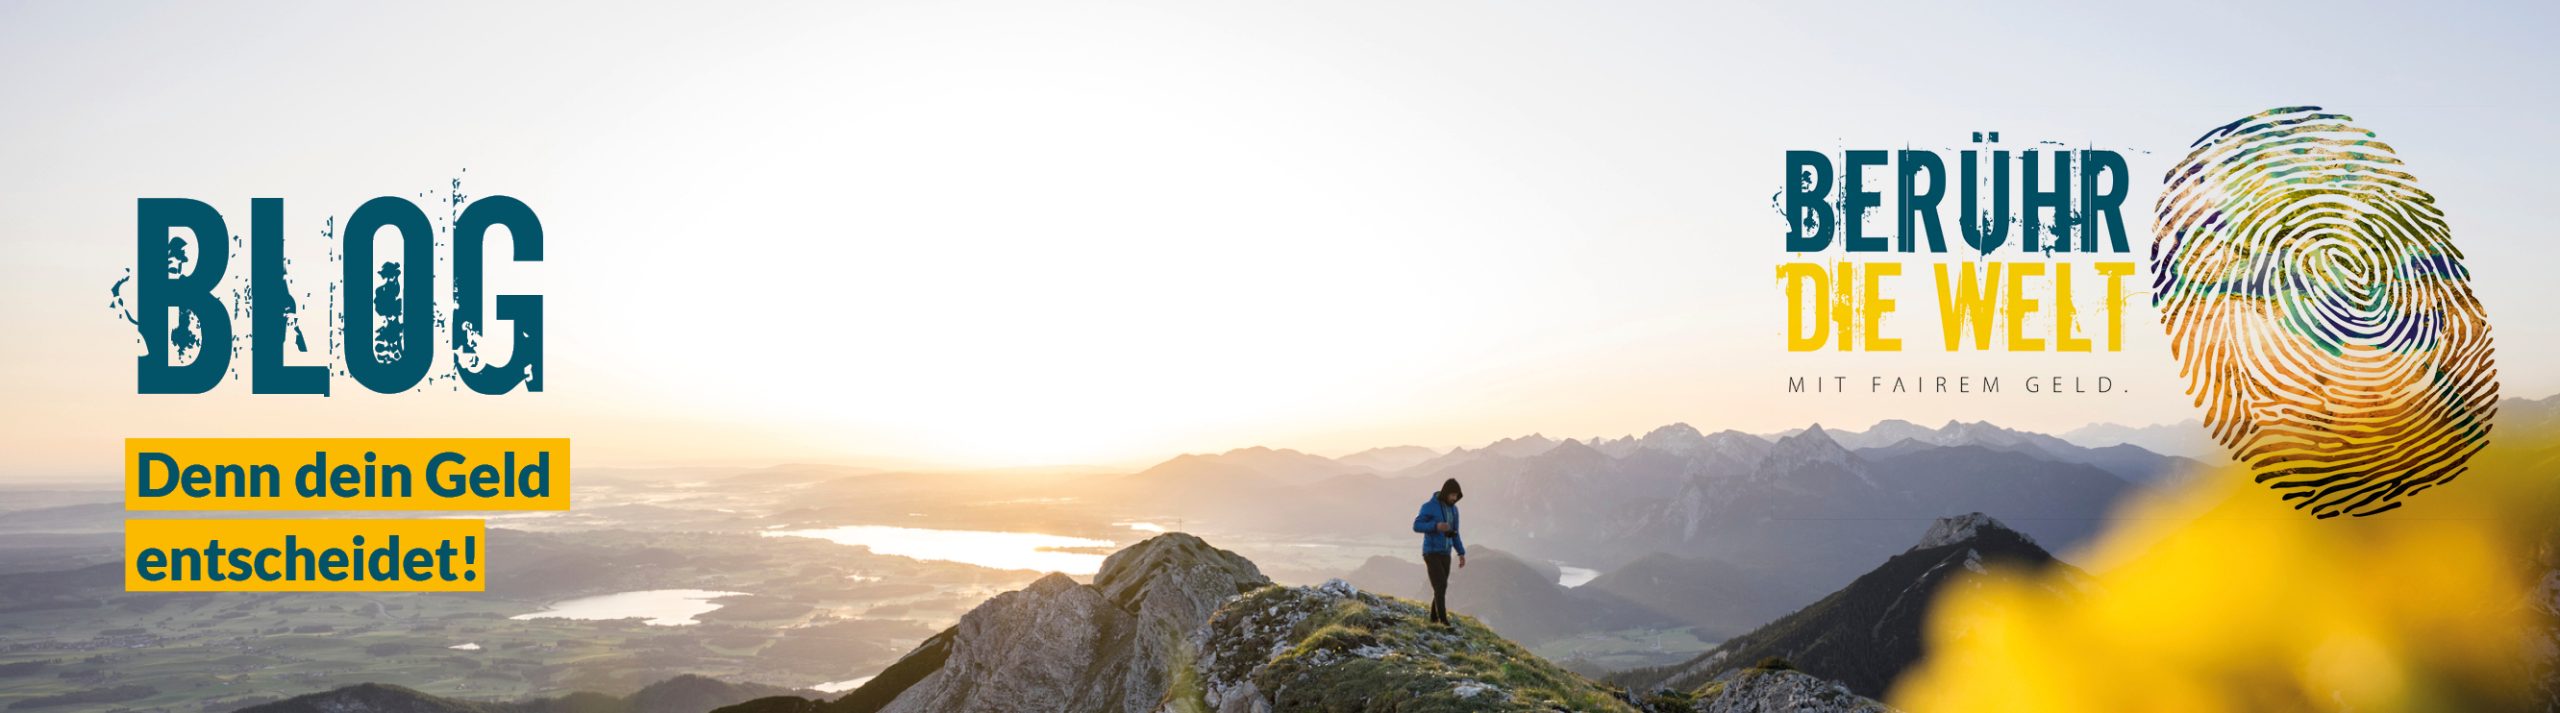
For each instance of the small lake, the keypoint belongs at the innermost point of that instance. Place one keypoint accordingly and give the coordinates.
(841, 686)
(1571, 576)
(1000, 550)
(659, 607)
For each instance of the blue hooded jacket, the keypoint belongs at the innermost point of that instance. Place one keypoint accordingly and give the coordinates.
(1434, 541)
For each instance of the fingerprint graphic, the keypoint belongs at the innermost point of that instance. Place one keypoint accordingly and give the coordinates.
(2320, 313)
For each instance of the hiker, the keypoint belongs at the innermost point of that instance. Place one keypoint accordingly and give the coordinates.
(1438, 524)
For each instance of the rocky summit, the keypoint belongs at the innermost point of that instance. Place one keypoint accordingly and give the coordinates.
(1173, 625)
(1952, 530)
(1336, 648)
(1063, 646)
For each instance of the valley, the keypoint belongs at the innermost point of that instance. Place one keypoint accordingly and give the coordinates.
(1604, 555)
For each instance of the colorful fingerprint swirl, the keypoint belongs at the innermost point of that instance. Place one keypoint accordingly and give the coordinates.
(2320, 313)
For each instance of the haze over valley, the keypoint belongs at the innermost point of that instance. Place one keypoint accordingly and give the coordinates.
(1621, 559)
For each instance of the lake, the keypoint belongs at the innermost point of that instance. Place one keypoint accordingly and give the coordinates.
(985, 548)
(1571, 576)
(841, 686)
(660, 607)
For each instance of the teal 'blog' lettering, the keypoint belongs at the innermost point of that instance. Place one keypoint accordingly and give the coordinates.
(182, 276)
(163, 281)
(392, 357)
(523, 311)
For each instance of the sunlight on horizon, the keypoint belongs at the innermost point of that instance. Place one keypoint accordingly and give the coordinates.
(999, 550)
(915, 233)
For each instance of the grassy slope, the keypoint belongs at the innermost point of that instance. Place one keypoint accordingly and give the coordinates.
(1373, 653)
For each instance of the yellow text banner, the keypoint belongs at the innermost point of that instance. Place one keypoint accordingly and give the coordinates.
(215, 555)
(179, 474)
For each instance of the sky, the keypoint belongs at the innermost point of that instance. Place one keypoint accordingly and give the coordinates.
(1023, 233)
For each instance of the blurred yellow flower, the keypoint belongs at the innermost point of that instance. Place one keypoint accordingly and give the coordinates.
(2216, 597)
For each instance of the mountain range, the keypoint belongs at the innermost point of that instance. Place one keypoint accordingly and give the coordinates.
(1519, 598)
(1725, 532)
(1867, 633)
(2186, 438)
(682, 694)
(1260, 647)
(1173, 624)
(1765, 523)
(1389, 459)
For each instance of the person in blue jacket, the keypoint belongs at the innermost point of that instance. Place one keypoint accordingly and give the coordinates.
(1438, 524)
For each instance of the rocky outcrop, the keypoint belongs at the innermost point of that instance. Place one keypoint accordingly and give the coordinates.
(1767, 690)
(1177, 626)
(1951, 530)
(1058, 645)
(1032, 649)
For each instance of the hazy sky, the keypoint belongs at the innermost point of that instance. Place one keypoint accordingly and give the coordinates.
(1041, 233)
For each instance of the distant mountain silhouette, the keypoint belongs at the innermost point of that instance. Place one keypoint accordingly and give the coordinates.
(2132, 463)
(1720, 598)
(1390, 459)
(1803, 514)
(682, 694)
(2186, 438)
(1521, 447)
(1812, 514)
(2529, 415)
(1516, 597)
(1268, 464)
(1867, 633)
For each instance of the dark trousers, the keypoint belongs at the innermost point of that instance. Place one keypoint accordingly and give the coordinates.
(1437, 564)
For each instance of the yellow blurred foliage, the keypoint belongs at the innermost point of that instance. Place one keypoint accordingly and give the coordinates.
(2217, 596)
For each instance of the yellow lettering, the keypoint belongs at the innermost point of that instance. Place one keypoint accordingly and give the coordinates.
(1792, 277)
(1876, 307)
(1965, 301)
(2019, 306)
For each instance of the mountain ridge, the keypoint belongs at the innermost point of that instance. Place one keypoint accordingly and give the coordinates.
(1867, 633)
(1229, 641)
(682, 694)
